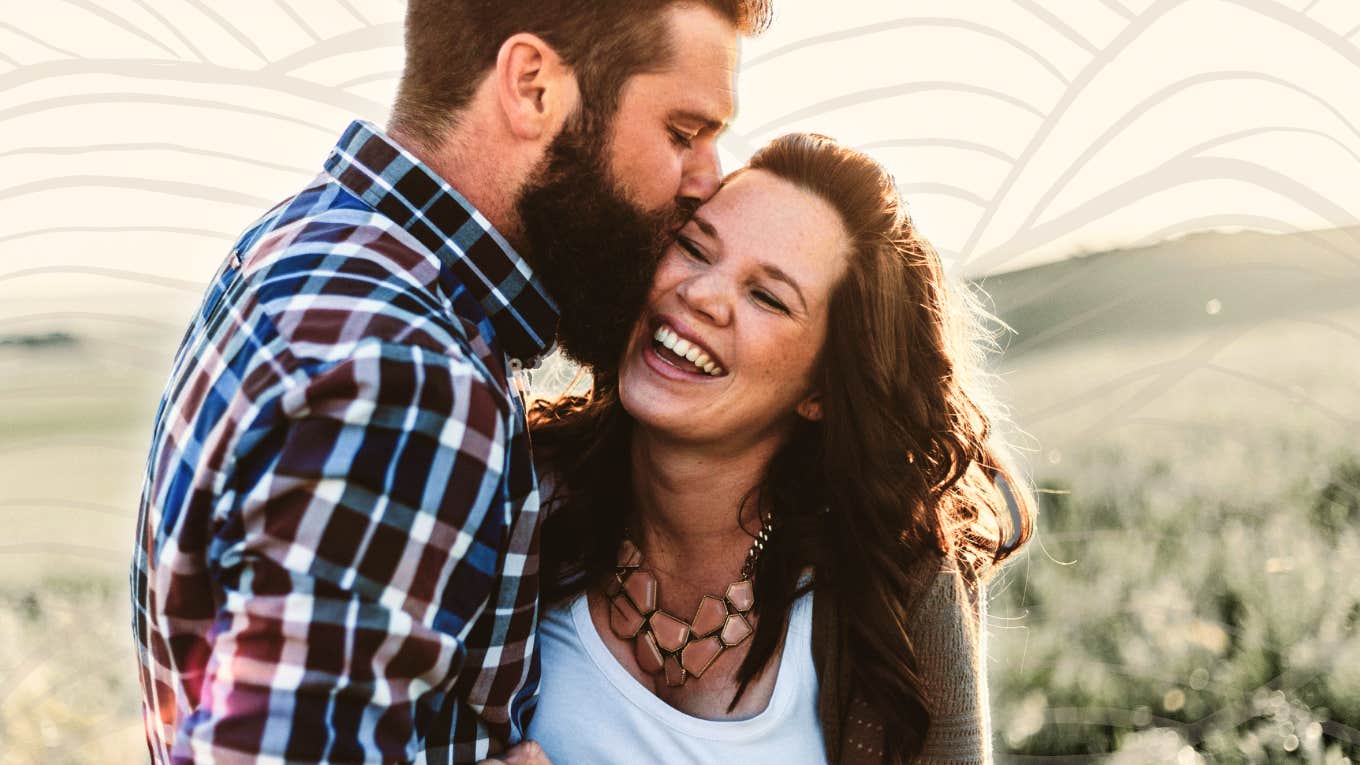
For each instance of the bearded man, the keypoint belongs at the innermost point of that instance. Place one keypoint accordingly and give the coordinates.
(337, 542)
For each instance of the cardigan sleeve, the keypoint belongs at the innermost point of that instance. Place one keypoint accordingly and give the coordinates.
(951, 648)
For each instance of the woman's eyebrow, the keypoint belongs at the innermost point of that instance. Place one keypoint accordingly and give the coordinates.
(707, 228)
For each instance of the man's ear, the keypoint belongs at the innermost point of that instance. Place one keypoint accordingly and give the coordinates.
(535, 89)
(810, 408)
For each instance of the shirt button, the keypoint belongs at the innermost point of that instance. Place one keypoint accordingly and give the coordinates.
(516, 365)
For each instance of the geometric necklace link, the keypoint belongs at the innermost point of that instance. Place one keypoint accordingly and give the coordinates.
(665, 643)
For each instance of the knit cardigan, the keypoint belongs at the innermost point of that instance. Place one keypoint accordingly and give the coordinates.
(949, 638)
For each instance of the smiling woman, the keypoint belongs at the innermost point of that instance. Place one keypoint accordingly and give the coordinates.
(794, 449)
(748, 285)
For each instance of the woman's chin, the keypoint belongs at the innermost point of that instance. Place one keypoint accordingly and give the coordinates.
(664, 398)
(656, 409)
(643, 401)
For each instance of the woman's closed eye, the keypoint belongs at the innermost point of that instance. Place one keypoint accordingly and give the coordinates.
(692, 249)
(769, 300)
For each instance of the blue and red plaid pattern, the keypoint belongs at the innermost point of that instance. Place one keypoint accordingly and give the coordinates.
(337, 552)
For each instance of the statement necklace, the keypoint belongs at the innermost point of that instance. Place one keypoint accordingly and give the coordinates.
(663, 643)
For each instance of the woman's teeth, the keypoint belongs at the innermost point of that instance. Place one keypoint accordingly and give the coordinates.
(682, 348)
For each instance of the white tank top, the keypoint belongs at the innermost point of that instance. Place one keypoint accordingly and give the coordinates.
(592, 712)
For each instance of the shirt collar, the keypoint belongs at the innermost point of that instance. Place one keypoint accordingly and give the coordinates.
(389, 178)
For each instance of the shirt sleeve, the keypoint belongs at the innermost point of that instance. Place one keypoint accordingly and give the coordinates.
(951, 650)
(359, 546)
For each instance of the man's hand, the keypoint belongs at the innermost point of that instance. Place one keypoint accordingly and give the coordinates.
(523, 753)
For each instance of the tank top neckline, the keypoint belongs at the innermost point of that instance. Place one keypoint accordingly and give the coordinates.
(781, 698)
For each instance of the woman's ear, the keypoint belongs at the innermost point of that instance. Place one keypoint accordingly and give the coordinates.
(810, 408)
(535, 89)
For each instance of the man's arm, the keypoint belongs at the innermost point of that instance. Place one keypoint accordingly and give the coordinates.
(359, 546)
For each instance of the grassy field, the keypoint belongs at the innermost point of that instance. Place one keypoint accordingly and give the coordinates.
(1191, 595)
(1193, 582)
(1189, 410)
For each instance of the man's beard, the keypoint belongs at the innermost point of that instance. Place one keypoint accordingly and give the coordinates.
(594, 250)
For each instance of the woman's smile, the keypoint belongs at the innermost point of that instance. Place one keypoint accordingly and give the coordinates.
(676, 352)
(680, 352)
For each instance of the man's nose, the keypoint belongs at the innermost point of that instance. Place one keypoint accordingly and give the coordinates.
(703, 172)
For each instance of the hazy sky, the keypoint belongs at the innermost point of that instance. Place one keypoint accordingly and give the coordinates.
(142, 135)
(1020, 133)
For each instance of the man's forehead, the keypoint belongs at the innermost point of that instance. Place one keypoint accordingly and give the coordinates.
(702, 96)
(703, 66)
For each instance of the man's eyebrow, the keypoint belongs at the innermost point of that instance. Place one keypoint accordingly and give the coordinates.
(708, 123)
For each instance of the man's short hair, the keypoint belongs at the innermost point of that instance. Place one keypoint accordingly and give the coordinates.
(451, 44)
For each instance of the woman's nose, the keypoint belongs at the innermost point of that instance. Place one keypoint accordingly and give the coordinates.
(709, 295)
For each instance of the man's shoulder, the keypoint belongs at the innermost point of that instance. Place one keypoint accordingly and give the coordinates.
(327, 232)
(329, 271)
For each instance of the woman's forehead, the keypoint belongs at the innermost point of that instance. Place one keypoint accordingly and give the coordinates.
(758, 209)
(777, 226)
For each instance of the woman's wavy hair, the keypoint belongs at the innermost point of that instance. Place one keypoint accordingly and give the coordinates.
(901, 469)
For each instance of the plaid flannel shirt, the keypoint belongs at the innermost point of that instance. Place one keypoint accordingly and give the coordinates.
(337, 542)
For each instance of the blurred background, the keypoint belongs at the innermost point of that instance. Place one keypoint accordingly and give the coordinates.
(1161, 199)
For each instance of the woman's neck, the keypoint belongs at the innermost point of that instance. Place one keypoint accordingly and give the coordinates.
(687, 499)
